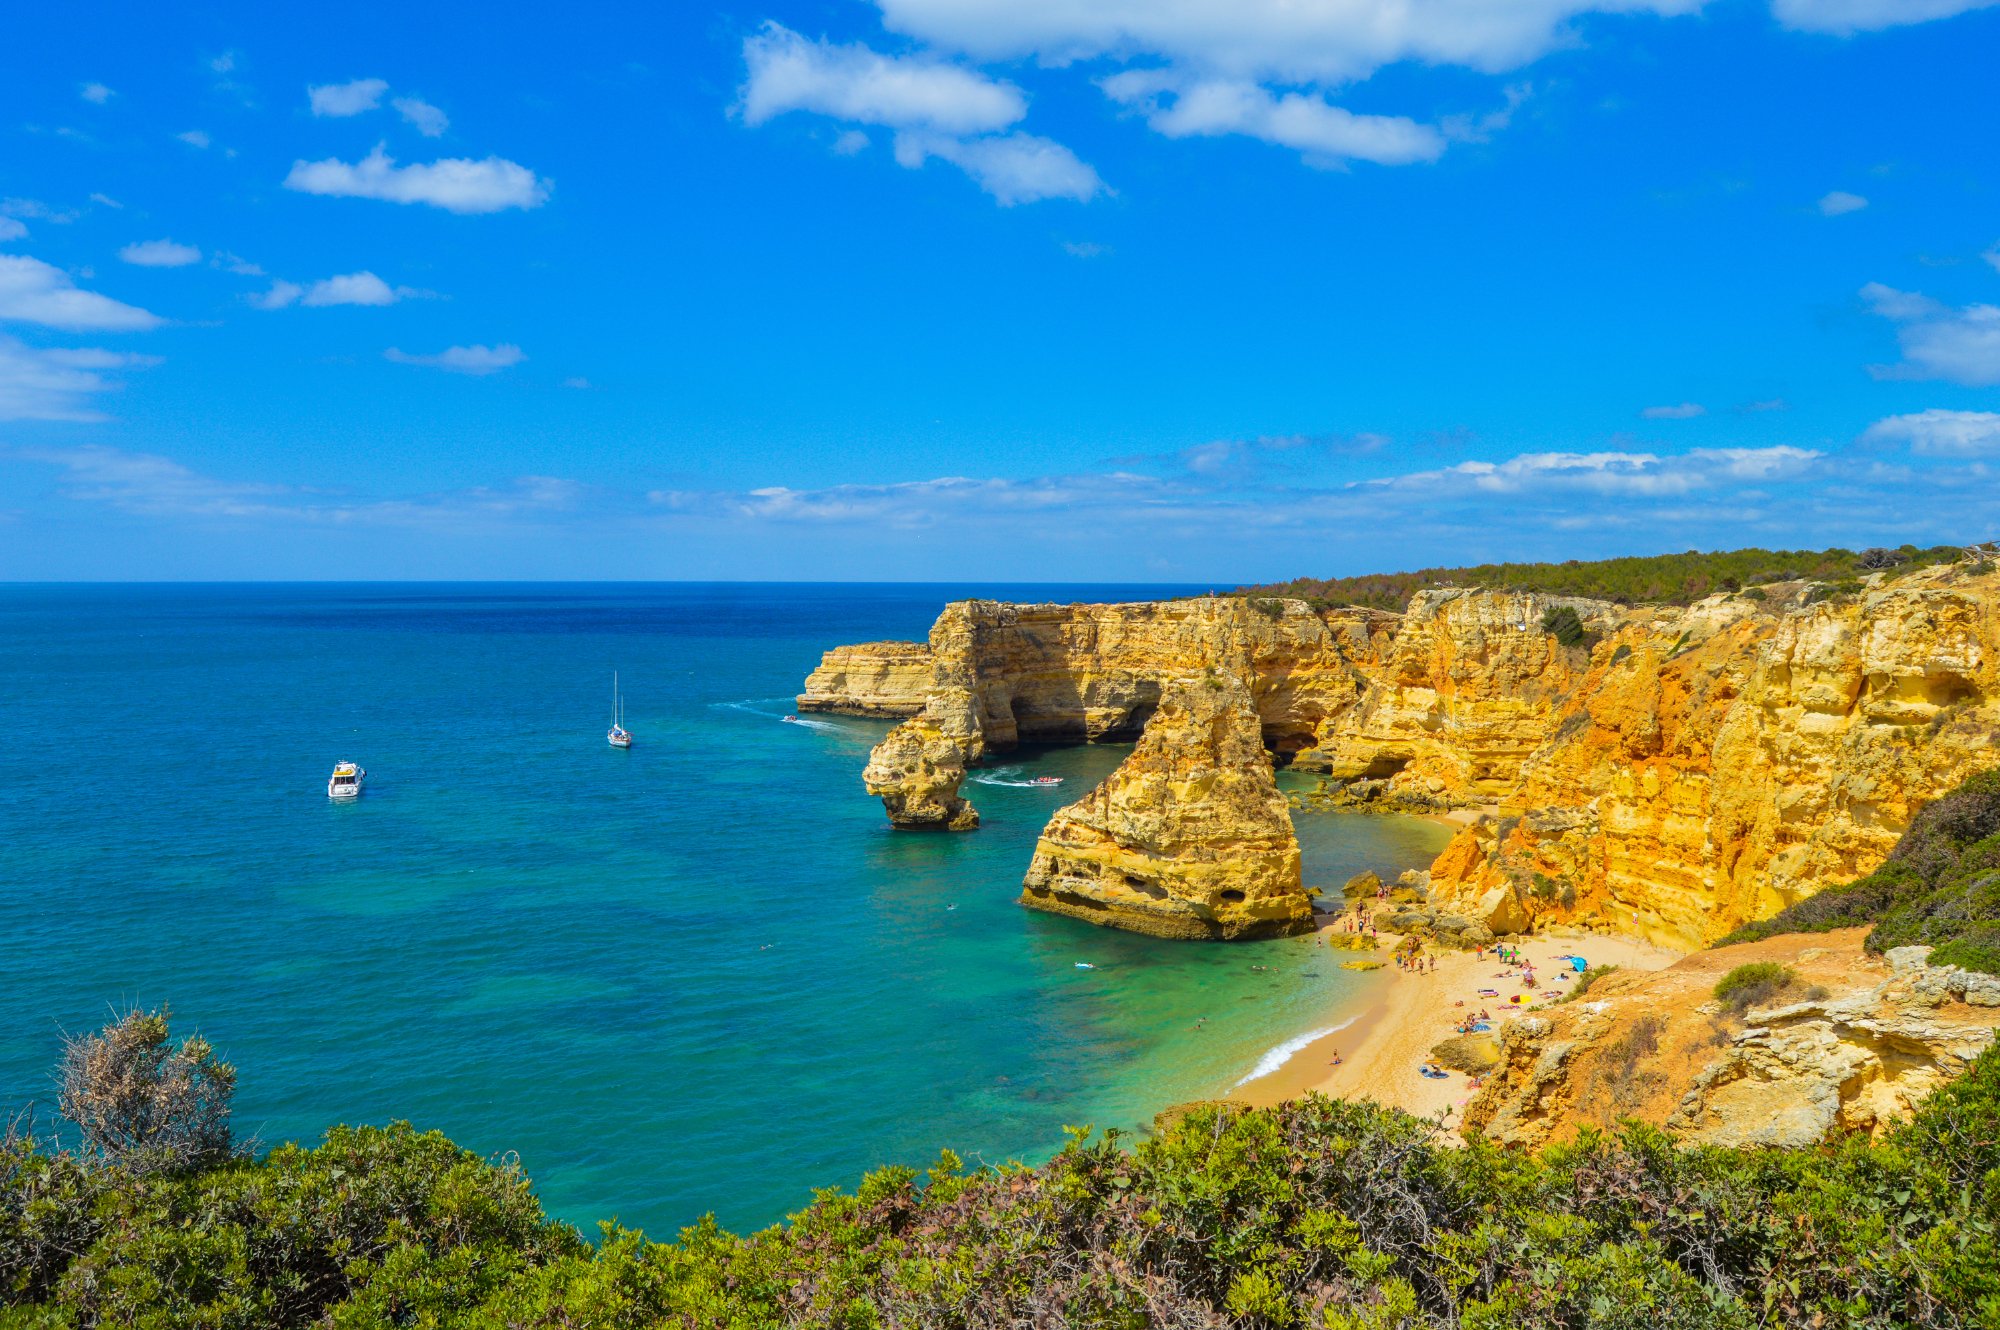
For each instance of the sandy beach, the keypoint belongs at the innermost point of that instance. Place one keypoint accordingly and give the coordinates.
(1383, 1047)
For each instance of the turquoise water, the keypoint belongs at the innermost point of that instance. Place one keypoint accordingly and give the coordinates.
(699, 975)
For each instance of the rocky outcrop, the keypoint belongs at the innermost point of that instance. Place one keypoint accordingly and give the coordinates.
(1859, 1043)
(871, 679)
(1688, 770)
(918, 767)
(1189, 837)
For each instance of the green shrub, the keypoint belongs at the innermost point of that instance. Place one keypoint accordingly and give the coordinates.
(1587, 980)
(1755, 593)
(1753, 985)
(1564, 624)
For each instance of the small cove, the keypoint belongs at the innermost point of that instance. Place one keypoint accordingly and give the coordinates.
(699, 975)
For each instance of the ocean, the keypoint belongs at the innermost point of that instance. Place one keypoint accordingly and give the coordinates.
(701, 975)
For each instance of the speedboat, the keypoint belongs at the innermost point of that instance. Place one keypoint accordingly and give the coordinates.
(1047, 780)
(790, 719)
(345, 783)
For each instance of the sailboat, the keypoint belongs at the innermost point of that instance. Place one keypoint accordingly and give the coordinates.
(619, 736)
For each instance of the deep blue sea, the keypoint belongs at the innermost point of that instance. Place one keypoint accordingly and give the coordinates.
(699, 975)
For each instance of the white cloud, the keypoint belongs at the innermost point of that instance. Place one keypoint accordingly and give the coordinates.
(281, 294)
(95, 92)
(1938, 341)
(1013, 168)
(41, 384)
(1846, 17)
(1612, 472)
(426, 119)
(235, 263)
(576, 381)
(1085, 249)
(478, 360)
(1180, 108)
(355, 288)
(1839, 202)
(11, 229)
(36, 209)
(107, 201)
(1291, 41)
(454, 184)
(194, 138)
(1938, 433)
(1685, 411)
(34, 292)
(160, 254)
(938, 110)
(345, 99)
(788, 72)
(1992, 256)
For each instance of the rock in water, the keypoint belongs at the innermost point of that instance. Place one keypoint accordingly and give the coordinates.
(1189, 838)
(917, 768)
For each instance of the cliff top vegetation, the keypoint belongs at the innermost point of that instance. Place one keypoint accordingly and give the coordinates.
(1664, 579)
(1318, 1213)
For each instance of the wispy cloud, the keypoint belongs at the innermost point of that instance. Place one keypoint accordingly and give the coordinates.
(1685, 411)
(57, 384)
(426, 119)
(1846, 17)
(96, 93)
(1961, 345)
(355, 288)
(1181, 107)
(340, 100)
(1939, 433)
(10, 229)
(937, 109)
(155, 486)
(1839, 202)
(160, 254)
(194, 138)
(476, 360)
(34, 292)
(456, 184)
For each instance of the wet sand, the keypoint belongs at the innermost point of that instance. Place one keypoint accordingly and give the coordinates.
(1382, 1048)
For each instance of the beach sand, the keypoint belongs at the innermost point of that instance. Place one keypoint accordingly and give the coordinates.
(1383, 1047)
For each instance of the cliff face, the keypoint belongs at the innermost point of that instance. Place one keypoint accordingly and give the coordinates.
(1858, 1045)
(1687, 770)
(1189, 837)
(871, 679)
(1713, 766)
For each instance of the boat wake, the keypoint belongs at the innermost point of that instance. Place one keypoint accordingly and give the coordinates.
(1009, 776)
(1282, 1054)
(766, 709)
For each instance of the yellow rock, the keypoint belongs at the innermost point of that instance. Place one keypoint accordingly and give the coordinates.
(1188, 838)
(870, 679)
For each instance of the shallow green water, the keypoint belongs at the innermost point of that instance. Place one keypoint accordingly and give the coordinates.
(699, 975)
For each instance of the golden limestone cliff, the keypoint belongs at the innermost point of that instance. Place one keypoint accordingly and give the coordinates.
(1716, 764)
(871, 679)
(1189, 837)
(1678, 772)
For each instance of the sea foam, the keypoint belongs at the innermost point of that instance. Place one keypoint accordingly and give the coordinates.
(1282, 1054)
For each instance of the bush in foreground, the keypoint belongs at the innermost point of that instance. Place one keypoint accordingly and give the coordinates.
(1319, 1213)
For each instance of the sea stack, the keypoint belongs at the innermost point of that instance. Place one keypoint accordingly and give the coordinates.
(917, 768)
(1189, 837)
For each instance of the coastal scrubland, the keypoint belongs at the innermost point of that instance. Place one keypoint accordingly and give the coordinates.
(1658, 579)
(1314, 1213)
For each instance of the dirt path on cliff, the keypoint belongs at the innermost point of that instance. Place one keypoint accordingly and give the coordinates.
(1383, 1049)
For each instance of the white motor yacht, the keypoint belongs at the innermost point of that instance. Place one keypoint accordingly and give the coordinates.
(345, 783)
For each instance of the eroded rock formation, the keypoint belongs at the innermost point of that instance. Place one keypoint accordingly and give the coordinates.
(1858, 1045)
(1685, 771)
(1189, 837)
(871, 679)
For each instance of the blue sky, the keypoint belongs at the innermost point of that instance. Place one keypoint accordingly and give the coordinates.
(1205, 290)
